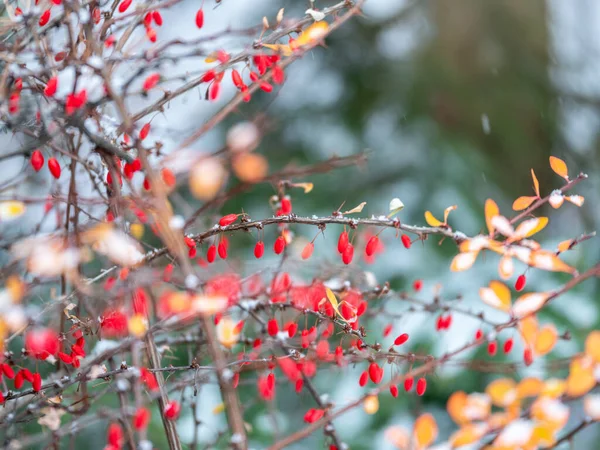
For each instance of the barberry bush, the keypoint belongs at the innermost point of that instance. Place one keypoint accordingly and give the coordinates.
(146, 304)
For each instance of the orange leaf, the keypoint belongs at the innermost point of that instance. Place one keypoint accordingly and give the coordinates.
(559, 167)
(529, 387)
(545, 260)
(456, 407)
(491, 210)
(506, 267)
(468, 434)
(545, 340)
(577, 200)
(581, 378)
(536, 184)
(528, 327)
(523, 203)
(565, 245)
(425, 431)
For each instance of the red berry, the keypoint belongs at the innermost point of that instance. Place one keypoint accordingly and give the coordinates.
(124, 5)
(45, 18)
(37, 160)
(67, 359)
(227, 220)
(51, 87)
(200, 18)
(478, 334)
(308, 250)
(151, 81)
(279, 245)
(375, 373)
(520, 283)
(408, 383)
(406, 241)
(41, 343)
(19, 380)
(214, 91)
(211, 254)
(418, 285)
(401, 339)
(342, 242)
(348, 254)
(387, 330)
(421, 386)
(508, 345)
(394, 390)
(371, 246)
(172, 410)
(37, 382)
(237, 79)
(158, 20)
(259, 249)
(114, 435)
(292, 329)
(54, 168)
(8, 371)
(144, 131)
(141, 419)
(277, 74)
(364, 377)
(222, 250)
(272, 327)
(286, 206)
(492, 347)
(528, 356)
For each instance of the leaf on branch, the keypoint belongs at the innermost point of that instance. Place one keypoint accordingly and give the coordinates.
(356, 209)
(559, 167)
(523, 202)
(396, 206)
(308, 187)
(491, 210)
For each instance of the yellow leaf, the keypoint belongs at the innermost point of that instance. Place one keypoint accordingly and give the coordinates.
(528, 327)
(502, 392)
(536, 184)
(137, 230)
(491, 210)
(371, 404)
(523, 202)
(497, 295)
(219, 408)
(11, 210)
(529, 387)
(334, 303)
(227, 332)
(425, 431)
(468, 434)
(528, 228)
(463, 261)
(138, 325)
(432, 221)
(356, 209)
(285, 50)
(592, 346)
(308, 187)
(311, 35)
(559, 167)
(550, 411)
(581, 378)
(545, 340)
(565, 245)
(554, 388)
(447, 211)
(543, 436)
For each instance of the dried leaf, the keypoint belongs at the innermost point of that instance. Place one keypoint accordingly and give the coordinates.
(308, 187)
(396, 206)
(497, 295)
(545, 260)
(530, 227)
(356, 209)
(528, 304)
(447, 212)
(577, 200)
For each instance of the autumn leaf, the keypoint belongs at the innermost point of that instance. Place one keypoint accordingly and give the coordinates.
(559, 167)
